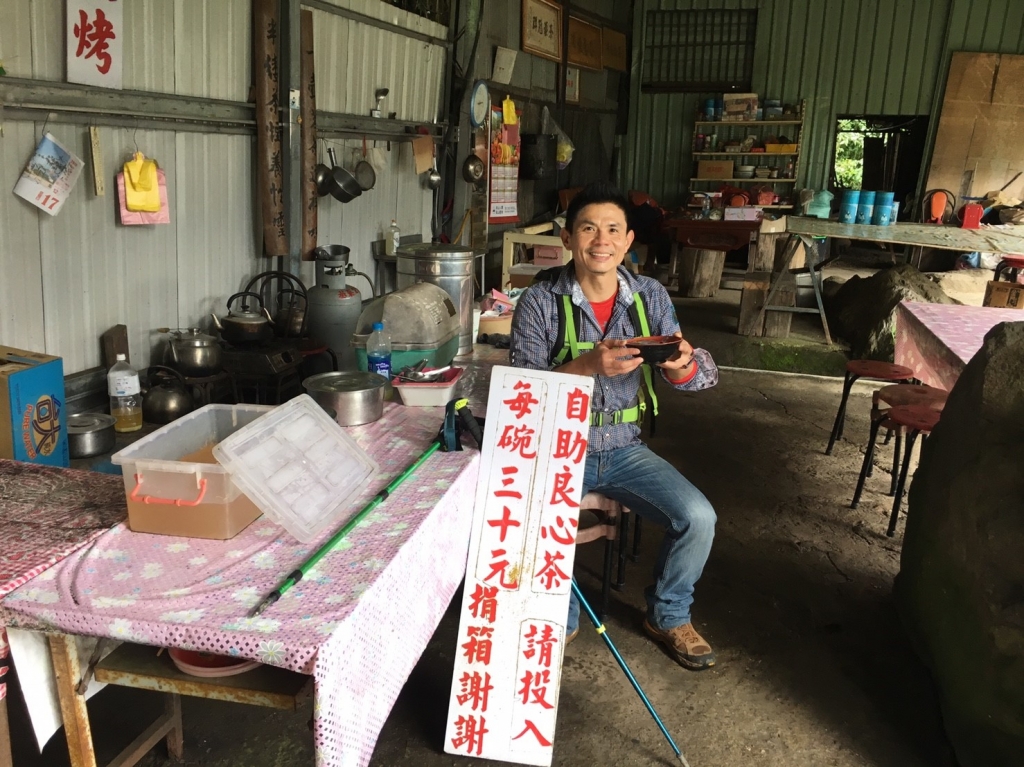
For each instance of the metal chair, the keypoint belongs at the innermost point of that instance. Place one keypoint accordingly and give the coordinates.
(916, 419)
(856, 369)
(897, 395)
(612, 525)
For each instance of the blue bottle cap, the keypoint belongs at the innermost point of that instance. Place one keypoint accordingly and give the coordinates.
(378, 326)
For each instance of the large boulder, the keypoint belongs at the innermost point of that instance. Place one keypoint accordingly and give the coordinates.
(862, 311)
(960, 589)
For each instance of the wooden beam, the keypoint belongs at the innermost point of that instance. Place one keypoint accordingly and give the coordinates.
(68, 670)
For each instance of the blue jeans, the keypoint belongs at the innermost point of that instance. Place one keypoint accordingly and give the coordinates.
(651, 487)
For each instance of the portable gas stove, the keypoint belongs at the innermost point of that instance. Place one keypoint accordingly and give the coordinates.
(266, 373)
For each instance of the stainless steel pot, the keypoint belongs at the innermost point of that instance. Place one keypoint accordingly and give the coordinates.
(356, 397)
(194, 353)
(90, 434)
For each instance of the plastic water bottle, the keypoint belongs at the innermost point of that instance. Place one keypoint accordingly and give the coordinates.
(392, 239)
(125, 396)
(378, 351)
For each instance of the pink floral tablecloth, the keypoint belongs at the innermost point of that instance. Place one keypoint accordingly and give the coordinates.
(46, 513)
(358, 622)
(938, 340)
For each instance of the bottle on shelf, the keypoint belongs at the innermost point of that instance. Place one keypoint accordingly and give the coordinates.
(125, 396)
(378, 351)
(392, 239)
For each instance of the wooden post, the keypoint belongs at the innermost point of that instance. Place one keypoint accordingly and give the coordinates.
(68, 670)
(308, 129)
(700, 272)
(6, 759)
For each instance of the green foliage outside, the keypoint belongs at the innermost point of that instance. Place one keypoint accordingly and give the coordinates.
(849, 168)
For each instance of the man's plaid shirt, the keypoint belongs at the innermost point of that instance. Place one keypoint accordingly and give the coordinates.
(535, 333)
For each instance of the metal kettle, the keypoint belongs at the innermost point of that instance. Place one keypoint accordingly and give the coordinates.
(193, 352)
(163, 402)
(245, 325)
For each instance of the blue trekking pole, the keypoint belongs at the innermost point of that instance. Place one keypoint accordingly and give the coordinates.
(603, 633)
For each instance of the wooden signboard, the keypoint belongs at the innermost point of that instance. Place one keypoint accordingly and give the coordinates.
(613, 50)
(572, 85)
(584, 44)
(504, 697)
(542, 29)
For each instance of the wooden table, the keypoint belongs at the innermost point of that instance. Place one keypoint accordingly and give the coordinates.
(699, 248)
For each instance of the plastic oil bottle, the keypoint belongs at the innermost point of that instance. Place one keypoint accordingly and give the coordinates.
(378, 351)
(125, 396)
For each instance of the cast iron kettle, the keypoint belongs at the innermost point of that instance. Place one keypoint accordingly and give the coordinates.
(165, 401)
(243, 325)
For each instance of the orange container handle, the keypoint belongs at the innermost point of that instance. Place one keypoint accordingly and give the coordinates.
(170, 502)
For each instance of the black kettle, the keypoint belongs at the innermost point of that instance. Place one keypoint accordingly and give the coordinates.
(164, 400)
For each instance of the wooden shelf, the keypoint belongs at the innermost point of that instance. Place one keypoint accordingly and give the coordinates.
(749, 122)
(750, 180)
(745, 154)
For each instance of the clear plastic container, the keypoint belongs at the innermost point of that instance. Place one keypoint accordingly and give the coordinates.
(175, 486)
(299, 467)
(436, 394)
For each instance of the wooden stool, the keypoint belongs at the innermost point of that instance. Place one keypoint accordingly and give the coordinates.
(896, 395)
(855, 369)
(612, 525)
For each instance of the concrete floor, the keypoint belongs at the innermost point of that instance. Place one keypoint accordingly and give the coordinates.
(813, 667)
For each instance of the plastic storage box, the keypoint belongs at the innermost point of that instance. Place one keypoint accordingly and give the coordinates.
(174, 484)
(298, 466)
(436, 394)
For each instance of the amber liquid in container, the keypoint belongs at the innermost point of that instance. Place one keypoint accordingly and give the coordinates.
(127, 419)
(219, 521)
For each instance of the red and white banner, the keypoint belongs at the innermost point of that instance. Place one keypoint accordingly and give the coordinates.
(95, 32)
(508, 666)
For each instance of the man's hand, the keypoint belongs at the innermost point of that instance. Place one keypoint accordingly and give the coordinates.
(680, 364)
(608, 358)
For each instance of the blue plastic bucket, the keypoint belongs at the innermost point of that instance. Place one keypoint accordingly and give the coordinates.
(883, 209)
(848, 206)
(865, 207)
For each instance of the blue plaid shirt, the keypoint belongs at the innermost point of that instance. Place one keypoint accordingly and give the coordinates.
(535, 333)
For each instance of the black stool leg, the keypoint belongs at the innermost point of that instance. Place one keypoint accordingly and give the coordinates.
(869, 456)
(606, 579)
(896, 461)
(620, 579)
(911, 438)
(837, 427)
(637, 528)
(888, 437)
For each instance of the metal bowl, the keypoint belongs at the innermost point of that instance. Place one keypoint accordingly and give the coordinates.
(90, 434)
(356, 397)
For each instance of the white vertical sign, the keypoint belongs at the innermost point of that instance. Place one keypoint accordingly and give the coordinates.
(504, 697)
(95, 32)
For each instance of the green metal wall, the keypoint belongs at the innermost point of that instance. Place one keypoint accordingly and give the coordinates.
(843, 56)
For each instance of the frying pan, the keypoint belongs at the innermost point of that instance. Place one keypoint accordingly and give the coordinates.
(364, 172)
(343, 185)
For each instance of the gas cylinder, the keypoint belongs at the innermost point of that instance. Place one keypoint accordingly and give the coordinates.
(334, 306)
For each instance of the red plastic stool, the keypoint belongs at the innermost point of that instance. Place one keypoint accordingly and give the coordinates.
(1011, 264)
(855, 369)
(896, 395)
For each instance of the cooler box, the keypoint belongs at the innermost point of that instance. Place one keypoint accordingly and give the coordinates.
(174, 484)
(33, 424)
(423, 324)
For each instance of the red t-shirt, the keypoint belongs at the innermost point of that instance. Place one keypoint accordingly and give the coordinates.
(603, 310)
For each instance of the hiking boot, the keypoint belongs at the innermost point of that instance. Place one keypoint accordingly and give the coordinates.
(572, 636)
(685, 645)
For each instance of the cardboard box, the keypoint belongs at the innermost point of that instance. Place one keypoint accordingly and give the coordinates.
(714, 168)
(33, 424)
(1004, 295)
(745, 213)
(739, 107)
(502, 324)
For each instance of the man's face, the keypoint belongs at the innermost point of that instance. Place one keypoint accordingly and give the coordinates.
(599, 239)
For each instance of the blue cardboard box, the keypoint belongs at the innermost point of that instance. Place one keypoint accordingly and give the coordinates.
(33, 424)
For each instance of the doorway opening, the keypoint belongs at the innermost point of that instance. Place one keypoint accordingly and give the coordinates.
(881, 153)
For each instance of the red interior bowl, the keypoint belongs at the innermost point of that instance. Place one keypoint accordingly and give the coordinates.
(655, 349)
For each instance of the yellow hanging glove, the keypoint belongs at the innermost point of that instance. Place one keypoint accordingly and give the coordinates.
(141, 186)
(508, 111)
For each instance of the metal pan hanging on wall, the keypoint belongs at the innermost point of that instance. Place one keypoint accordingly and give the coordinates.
(344, 186)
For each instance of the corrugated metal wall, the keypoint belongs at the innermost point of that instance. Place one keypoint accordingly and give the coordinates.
(67, 279)
(842, 56)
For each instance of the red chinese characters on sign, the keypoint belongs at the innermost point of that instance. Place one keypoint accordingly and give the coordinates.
(484, 603)
(559, 532)
(517, 439)
(475, 689)
(501, 568)
(536, 685)
(578, 406)
(570, 445)
(94, 38)
(540, 644)
(522, 404)
(551, 575)
(478, 646)
(470, 733)
(562, 488)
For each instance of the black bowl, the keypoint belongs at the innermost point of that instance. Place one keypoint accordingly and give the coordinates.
(654, 349)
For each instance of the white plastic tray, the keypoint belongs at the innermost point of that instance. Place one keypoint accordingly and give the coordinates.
(298, 466)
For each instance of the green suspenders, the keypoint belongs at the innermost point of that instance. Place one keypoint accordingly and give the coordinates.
(572, 347)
